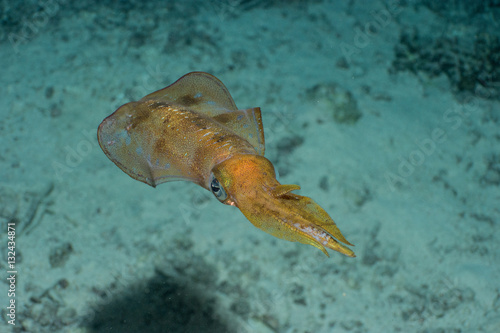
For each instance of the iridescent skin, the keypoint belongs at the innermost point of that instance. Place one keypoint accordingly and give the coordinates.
(192, 130)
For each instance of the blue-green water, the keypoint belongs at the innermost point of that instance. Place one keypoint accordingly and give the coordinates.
(385, 113)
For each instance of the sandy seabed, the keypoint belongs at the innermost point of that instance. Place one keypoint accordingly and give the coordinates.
(406, 162)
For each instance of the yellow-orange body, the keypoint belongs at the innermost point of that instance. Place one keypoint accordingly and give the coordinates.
(192, 130)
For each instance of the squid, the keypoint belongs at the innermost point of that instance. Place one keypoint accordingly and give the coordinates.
(192, 131)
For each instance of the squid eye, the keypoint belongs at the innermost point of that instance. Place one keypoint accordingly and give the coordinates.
(217, 189)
